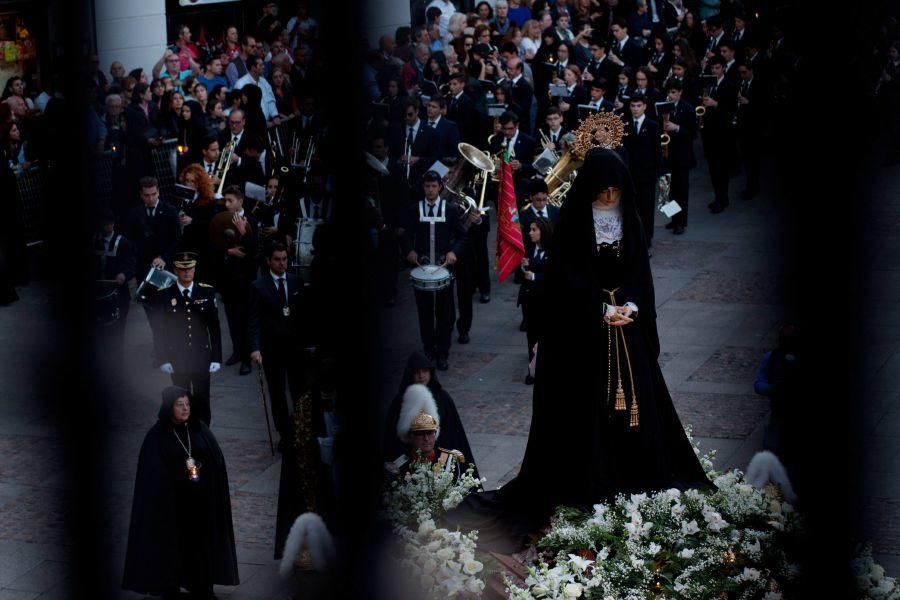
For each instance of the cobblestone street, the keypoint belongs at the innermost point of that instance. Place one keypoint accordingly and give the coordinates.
(717, 290)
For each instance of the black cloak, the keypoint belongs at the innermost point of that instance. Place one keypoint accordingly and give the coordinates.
(580, 450)
(181, 531)
(453, 436)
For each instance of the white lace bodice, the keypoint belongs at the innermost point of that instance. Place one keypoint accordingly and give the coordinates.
(607, 225)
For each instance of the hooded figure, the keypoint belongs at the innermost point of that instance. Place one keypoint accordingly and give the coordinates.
(452, 434)
(590, 440)
(181, 533)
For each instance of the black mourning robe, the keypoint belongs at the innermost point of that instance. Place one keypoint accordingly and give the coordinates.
(580, 450)
(181, 531)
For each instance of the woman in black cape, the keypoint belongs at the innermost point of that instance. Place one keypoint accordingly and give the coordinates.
(181, 533)
(453, 436)
(581, 448)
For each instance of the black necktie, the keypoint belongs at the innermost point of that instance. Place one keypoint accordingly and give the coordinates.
(637, 128)
(553, 137)
(187, 295)
(150, 211)
(541, 214)
(431, 210)
(409, 138)
(282, 291)
(209, 168)
(431, 124)
(315, 211)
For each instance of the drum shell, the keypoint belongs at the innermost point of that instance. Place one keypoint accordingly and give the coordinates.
(430, 278)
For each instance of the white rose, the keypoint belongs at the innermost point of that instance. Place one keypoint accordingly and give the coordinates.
(433, 546)
(686, 553)
(471, 567)
(885, 586)
(474, 586)
(572, 590)
(430, 566)
(750, 574)
(539, 591)
(603, 554)
(689, 528)
(445, 554)
(637, 563)
(653, 548)
(745, 489)
(877, 573)
(426, 527)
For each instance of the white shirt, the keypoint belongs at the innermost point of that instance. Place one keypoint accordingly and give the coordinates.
(415, 129)
(275, 278)
(447, 9)
(189, 288)
(638, 123)
(436, 121)
(511, 144)
(537, 212)
(267, 103)
(517, 78)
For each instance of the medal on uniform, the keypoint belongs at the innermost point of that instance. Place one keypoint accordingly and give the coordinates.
(286, 311)
(174, 301)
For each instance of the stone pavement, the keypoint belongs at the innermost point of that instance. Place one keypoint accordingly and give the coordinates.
(718, 296)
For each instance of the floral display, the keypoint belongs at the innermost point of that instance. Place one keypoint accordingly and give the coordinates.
(871, 581)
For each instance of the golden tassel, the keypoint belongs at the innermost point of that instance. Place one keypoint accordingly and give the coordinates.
(620, 397)
(634, 418)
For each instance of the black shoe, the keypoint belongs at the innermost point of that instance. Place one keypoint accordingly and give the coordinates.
(522, 326)
(717, 208)
(463, 338)
(245, 368)
(232, 360)
(442, 364)
(678, 230)
(670, 225)
(529, 380)
(485, 298)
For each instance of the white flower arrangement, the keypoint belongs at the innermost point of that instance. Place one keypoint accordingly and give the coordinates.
(667, 544)
(871, 581)
(442, 562)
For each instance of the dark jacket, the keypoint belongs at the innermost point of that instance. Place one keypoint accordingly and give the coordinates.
(270, 329)
(450, 235)
(447, 133)
(644, 152)
(188, 333)
(462, 112)
(681, 144)
(152, 237)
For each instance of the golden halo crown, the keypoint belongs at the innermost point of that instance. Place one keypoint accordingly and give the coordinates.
(599, 130)
(424, 422)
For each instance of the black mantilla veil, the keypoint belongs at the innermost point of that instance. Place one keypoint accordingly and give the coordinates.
(581, 450)
(453, 436)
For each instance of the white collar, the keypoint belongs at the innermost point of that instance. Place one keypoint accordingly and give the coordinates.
(189, 288)
(719, 80)
(639, 119)
(728, 64)
(512, 143)
(277, 277)
(556, 131)
(154, 207)
(461, 92)
(624, 40)
(436, 121)
(517, 78)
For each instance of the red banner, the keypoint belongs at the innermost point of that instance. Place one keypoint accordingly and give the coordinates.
(510, 248)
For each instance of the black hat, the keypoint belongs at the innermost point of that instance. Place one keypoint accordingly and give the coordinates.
(185, 260)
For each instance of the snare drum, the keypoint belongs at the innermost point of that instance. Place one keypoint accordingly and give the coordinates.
(106, 303)
(430, 278)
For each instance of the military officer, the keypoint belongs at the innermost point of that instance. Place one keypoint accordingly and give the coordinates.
(419, 428)
(190, 339)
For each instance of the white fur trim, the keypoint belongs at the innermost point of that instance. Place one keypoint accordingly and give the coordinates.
(308, 531)
(416, 398)
(765, 467)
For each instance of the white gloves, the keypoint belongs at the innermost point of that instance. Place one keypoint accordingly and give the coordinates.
(166, 368)
(214, 366)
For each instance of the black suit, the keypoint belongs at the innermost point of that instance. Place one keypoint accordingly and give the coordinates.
(280, 338)
(190, 339)
(152, 236)
(425, 146)
(523, 95)
(607, 70)
(645, 163)
(528, 215)
(436, 309)
(523, 151)
(114, 257)
(532, 297)
(545, 129)
(577, 96)
(719, 138)
(681, 157)
(750, 124)
(234, 276)
(462, 112)
(447, 133)
(632, 53)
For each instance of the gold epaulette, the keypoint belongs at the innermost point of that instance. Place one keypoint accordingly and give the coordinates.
(459, 456)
